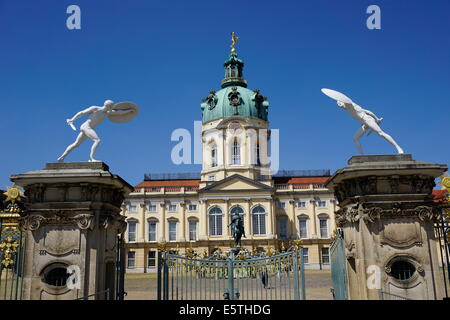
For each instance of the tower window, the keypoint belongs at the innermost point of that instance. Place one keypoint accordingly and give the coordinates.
(214, 156)
(236, 153)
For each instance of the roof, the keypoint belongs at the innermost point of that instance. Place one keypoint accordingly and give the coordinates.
(196, 182)
(169, 183)
(308, 180)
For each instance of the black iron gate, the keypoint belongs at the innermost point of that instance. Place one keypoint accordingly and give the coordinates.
(278, 277)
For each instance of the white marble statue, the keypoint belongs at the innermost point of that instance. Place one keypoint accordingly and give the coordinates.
(370, 122)
(121, 112)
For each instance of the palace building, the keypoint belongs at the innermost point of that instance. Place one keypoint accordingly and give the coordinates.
(191, 211)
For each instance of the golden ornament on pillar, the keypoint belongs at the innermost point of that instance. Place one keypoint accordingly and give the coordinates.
(13, 194)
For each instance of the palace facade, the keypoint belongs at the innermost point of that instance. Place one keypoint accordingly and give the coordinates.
(192, 210)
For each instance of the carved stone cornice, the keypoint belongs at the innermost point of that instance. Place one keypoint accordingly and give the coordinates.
(371, 185)
(33, 222)
(370, 214)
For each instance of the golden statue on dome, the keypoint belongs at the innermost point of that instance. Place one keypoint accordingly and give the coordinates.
(234, 40)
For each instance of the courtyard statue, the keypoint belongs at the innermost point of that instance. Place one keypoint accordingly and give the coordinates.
(120, 112)
(369, 121)
(237, 228)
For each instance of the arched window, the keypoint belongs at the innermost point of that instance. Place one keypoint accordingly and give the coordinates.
(323, 224)
(303, 226)
(236, 209)
(282, 228)
(259, 220)
(236, 152)
(172, 226)
(152, 229)
(214, 155)
(193, 223)
(215, 221)
(132, 230)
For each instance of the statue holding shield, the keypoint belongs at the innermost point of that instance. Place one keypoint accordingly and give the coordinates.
(121, 112)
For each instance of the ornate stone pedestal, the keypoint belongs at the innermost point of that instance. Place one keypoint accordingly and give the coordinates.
(72, 222)
(387, 213)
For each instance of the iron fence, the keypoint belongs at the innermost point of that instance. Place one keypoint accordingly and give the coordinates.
(279, 277)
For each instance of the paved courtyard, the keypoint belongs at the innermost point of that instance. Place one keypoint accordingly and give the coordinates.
(142, 286)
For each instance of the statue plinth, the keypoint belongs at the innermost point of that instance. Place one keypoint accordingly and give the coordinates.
(72, 221)
(387, 215)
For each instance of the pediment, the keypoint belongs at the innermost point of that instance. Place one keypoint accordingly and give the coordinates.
(236, 183)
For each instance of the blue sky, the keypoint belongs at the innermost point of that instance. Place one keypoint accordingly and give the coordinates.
(166, 55)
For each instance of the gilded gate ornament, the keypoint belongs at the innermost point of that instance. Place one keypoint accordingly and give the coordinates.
(8, 247)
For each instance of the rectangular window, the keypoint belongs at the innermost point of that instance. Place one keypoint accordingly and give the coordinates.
(152, 231)
(301, 204)
(303, 228)
(172, 207)
(172, 231)
(259, 224)
(282, 228)
(325, 255)
(132, 208)
(131, 259)
(192, 230)
(323, 228)
(151, 259)
(321, 204)
(305, 255)
(192, 207)
(215, 225)
(131, 231)
(152, 207)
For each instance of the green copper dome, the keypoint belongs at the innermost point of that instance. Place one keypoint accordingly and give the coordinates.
(234, 99)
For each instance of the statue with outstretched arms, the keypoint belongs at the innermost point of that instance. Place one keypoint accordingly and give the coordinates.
(369, 121)
(121, 112)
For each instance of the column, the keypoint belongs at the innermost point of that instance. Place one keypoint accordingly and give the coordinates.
(162, 225)
(269, 219)
(291, 215)
(226, 220)
(314, 222)
(182, 237)
(332, 222)
(248, 220)
(203, 223)
(274, 218)
(141, 237)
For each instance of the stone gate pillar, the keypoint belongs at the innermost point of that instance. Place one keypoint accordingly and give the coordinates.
(387, 213)
(71, 223)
